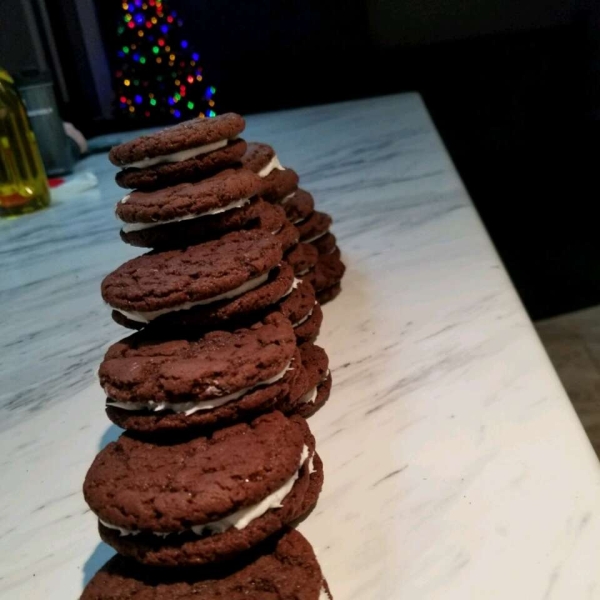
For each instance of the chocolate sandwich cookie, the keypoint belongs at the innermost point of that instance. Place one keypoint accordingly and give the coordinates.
(315, 227)
(185, 152)
(298, 305)
(278, 182)
(203, 284)
(304, 312)
(308, 329)
(326, 244)
(302, 258)
(328, 272)
(288, 236)
(279, 185)
(299, 205)
(272, 218)
(195, 231)
(256, 214)
(284, 567)
(329, 294)
(158, 385)
(318, 382)
(187, 212)
(183, 501)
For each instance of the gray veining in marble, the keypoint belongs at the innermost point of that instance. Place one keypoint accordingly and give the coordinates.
(455, 465)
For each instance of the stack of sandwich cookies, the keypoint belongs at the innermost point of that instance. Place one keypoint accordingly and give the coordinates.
(204, 499)
(217, 462)
(284, 567)
(186, 152)
(324, 269)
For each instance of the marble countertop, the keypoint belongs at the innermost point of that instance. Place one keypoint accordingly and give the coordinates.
(455, 465)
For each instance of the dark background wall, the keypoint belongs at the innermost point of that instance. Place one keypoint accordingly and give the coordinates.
(512, 86)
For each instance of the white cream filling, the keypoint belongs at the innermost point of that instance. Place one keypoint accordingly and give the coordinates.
(303, 272)
(311, 466)
(294, 286)
(270, 167)
(304, 319)
(176, 156)
(189, 408)
(147, 316)
(316, 237)
(124, 200)
(213, 211)
(239, 519)
(288, 197)
(310, 397)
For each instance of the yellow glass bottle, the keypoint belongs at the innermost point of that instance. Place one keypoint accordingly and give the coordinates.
(23, 183)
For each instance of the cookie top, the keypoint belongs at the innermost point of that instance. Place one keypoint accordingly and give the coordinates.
(257, 156)
(174, 279)
(299, 206)
(282, 568)
(171, 486)
(217, 193)
(302, 258)
(183, 136)
(143, 369)
(316, 226)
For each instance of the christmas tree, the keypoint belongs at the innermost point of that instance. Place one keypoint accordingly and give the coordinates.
(159, 75)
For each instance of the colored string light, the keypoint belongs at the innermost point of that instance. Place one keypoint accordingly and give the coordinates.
(167, 85)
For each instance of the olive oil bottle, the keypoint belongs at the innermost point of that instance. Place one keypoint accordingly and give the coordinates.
(23, 183)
